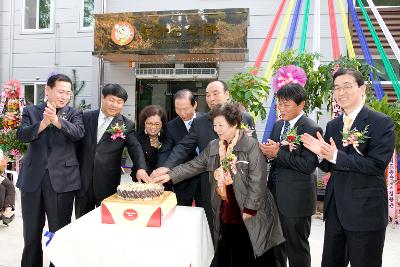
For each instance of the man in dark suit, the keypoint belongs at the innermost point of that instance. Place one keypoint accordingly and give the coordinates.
(356, 211)
(290, 180)
(200, 134)
(50, 169)
(99, 153)
(175, 131)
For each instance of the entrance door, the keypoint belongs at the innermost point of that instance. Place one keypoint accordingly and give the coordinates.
(161, 92)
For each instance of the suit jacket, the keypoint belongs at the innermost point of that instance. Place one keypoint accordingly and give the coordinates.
(295, 191)
(175, 131)
(53, 149)
(100, 163)
(357, 182)
(200, 134)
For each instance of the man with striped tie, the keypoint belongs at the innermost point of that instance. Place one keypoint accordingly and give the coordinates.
(290, 179)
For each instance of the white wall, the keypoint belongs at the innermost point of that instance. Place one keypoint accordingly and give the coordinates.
(261, 16)
(67, 47)
(5, 15)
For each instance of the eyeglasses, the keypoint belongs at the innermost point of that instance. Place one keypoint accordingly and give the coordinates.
(345, 88)
(153, 124)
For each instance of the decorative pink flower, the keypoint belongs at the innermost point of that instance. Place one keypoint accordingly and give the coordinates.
(117, 131)
(12, 89)
(288, 74)
(15, 152)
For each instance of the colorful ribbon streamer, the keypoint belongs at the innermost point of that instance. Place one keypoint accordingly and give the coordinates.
(304, 28)
(386, 63)
(267, 39)
(317, 32)
(349, 43)
(278, 43)
(379, 93)
(293, 25)
(268, 73)
(388, 35)
(334, 34)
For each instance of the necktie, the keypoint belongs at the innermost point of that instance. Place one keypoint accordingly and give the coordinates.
(273, 176)
(102, 128)
(347, 122)
(188, 125)
(286, 126)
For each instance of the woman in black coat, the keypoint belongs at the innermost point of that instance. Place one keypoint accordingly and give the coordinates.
(152, 120)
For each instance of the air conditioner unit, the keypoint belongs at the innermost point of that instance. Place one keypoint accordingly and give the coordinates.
(176, 73)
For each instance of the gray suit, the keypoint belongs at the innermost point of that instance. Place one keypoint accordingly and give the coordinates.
(249, 187)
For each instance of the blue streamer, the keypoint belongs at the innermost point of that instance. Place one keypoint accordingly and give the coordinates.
(49, 236)
(289, 44)
(293, 25)
(270, 122)
(367, 53)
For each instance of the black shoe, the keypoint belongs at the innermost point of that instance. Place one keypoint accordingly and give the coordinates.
(7, 220)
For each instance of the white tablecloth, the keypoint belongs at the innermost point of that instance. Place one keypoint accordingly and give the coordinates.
(183, 240)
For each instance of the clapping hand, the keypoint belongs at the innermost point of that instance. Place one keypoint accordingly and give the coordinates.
(270, 149)
(319, 146)
(50, 112)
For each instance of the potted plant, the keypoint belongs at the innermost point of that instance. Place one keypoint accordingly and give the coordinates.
(249, 90)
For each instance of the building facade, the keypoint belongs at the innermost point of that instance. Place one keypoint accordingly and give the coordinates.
(41, 36)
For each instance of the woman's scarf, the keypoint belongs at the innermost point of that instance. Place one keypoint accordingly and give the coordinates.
(227, 160)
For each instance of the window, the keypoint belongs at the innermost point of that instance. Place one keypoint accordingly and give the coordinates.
(381, 3)
(37, 15)
(34, 93)
(87, 14)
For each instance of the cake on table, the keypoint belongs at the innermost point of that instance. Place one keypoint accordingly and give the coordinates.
(138, 204)
(136, 191)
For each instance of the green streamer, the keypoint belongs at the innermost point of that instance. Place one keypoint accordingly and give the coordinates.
(386, 63)
(304, 28)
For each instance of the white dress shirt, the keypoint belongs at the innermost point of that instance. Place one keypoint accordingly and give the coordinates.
(353, 116)
(292, 122)
(100, 122)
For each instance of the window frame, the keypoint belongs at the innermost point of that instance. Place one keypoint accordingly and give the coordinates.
(83, 28)
(36, 30)
(35, 89)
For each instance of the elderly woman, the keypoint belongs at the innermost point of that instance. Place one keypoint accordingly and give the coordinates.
(152, 120)
(7, 193)
(245, 219)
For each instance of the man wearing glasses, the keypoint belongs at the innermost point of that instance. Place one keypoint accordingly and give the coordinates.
(356, 150)
(99, 152)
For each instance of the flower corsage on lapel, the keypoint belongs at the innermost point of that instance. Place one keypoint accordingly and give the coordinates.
(291, 139)
(354, 138)
(117, 131)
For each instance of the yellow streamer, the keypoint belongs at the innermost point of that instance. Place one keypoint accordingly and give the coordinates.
(349, 43)
(278, 43)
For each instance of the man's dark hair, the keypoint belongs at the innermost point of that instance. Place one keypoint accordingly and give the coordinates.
(115, 90)
(230, 111)
(355, 73)
(292, 91)
(51, 81)
(152, 110)
(185, 94)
